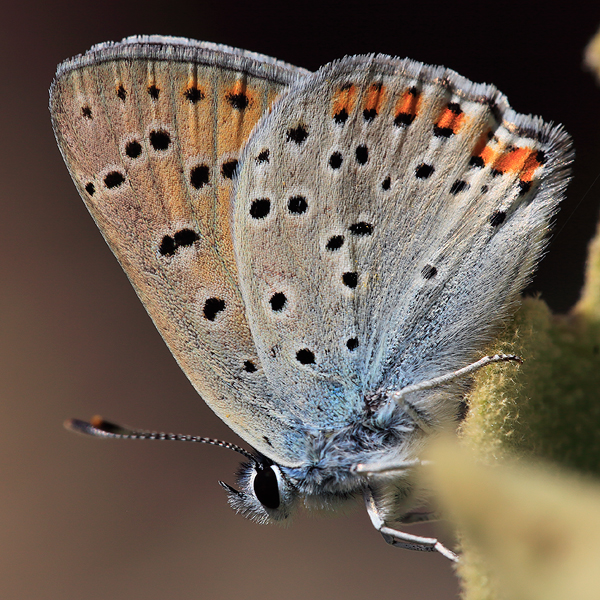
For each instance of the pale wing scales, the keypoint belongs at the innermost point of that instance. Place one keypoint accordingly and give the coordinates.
(426, 202)
(150, 130)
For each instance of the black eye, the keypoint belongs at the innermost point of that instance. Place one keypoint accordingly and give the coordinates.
(266, 487)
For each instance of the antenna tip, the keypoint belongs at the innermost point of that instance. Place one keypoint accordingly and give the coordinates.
(78, 426)
(97, 427)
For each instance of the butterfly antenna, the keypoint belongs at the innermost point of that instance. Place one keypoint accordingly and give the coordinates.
(99, 427)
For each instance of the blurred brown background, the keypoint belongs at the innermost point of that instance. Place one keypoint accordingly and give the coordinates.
(83, 518)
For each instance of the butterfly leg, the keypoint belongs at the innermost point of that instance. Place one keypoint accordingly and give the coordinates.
(403, 539)
(376, 468)
(399, 396)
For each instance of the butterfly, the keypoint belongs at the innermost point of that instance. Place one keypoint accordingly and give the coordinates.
(325, 254)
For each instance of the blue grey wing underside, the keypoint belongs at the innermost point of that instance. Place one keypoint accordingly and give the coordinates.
(400, 214)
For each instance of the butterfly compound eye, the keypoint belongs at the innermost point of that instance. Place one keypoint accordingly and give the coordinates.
(266, 487)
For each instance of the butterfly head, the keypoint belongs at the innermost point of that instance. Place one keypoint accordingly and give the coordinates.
(265, 494)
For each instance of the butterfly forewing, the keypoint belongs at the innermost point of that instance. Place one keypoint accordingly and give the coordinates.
(151, 130)
(399, 216)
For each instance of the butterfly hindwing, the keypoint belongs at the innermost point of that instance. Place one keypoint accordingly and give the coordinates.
(399, 216)
(151, 130)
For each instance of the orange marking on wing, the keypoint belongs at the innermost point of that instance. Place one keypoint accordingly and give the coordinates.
(192, 91)
(343, 99)
(374, 98)
(451, 119)
(481, 144)
(533, 162)
(524, 161)
(409, 103)
(239, 87)
(239, 96)
(513, 160)
(487, 155)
